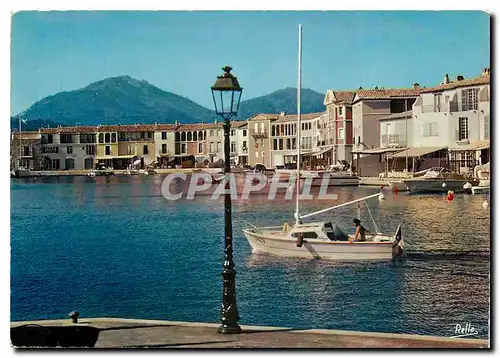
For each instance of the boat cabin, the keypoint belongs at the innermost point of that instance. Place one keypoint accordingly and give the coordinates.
(318, 230)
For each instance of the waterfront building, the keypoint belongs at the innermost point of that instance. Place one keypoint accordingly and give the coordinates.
(455, 115)
(164, 139)
(25, 150)
(368, 106)
(272, 140)
(68, 147)
(337, 129)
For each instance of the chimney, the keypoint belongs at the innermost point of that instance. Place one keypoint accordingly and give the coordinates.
(215, 120)
(460, 78)
(446, 79)
(282, 114)
(486, 72)
(376, 87)
(416, 86)
(176, 122)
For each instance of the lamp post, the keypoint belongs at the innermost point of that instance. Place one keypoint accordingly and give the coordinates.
(226, 93)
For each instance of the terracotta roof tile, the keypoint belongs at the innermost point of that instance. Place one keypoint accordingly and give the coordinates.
(343, 97)
(384, 93)
(482, 80)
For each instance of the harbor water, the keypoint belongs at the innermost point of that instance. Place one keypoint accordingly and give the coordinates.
(115, 247)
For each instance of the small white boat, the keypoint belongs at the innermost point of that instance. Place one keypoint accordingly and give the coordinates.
(322, 240)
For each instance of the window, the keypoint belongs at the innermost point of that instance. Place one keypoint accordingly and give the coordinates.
(50, 150)
(200, 148)
(233, 132)
(294, 143)
(50, 138)
(273, 131)
(244, 144)
(107, 138)
(177, 148)
(163, 135)
(177, 137)
(107, 150)
(189, 136)
(55, 164)
(275, 144)
(437, 102)
(145, 149)
(183, 136)
(164, 148)
(218, 132)
(89, 163)
(463, 128)
(69, 149)
(256, 154)
(101, 138)
(66, 138)
(281, 144)
(288, 144)
(218, 147)
(87, 138)
(195, 136)
(307, 235)
(244, 132)
(211, 133)
(469, 99)
(233, 147)
(211, 147)
(70, 163)
(26, 151)
(113, 137)
(90, 149)
(262, 143)
(465, 158)
(341, 133)
(340, 111)
(129, 150)
(183, 148)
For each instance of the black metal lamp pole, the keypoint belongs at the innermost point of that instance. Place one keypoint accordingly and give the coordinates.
(226, 93)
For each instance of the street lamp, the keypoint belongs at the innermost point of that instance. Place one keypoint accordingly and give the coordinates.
(226, 93)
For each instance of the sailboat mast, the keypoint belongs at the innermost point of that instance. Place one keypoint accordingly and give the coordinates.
(299, 133)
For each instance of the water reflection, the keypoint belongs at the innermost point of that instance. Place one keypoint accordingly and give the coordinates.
(114, 244)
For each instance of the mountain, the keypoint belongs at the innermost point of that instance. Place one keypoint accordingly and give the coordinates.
(115, 100)
(125, 100)
(283, 100)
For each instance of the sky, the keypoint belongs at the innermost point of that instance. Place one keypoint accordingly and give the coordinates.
(183, 52)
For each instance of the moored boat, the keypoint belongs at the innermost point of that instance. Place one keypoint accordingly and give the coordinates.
(438, 180)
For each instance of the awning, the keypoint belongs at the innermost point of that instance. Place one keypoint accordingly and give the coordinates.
(116, 157)
(322, 152)
(416, 152)
(472, 146)
(378, 151)
(183, 155)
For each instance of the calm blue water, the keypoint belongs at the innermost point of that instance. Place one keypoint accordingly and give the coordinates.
(115, 247)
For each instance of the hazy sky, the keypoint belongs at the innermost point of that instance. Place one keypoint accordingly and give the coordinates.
(183, 52)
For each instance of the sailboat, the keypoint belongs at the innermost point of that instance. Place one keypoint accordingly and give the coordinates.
(321, 240)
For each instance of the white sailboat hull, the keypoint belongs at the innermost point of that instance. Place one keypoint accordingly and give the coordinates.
(321, 249)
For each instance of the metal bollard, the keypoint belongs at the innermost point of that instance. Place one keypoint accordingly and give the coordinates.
(74, 316)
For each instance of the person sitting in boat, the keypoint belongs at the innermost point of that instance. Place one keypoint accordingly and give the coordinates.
(360, 234)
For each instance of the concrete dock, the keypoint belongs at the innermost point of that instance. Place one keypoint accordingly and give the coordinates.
(136, 333)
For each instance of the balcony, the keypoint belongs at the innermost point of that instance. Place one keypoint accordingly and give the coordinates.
(244, 149)
(258, 133)
(392, 141)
